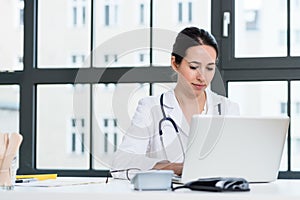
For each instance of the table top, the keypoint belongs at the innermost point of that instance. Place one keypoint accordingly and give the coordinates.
(95, 188)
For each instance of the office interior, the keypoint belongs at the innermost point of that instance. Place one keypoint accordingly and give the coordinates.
(72, 71)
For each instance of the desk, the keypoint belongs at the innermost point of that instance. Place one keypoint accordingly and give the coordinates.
(121, 189)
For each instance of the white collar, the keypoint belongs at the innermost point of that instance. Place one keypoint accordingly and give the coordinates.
(173, 110)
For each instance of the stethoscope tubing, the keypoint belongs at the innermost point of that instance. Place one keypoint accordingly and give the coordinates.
(165, 118)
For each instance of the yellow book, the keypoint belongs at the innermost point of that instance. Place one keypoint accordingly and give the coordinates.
(39, 177)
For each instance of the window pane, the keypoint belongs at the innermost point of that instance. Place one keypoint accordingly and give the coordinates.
(61, 135)
(9, 108)
(121, 34)
(11, 35)
(295, 28)
(295, 125)
(63, 37)
(260, 28)
(181, 14)
(113, 108)
(159, 88)
(265, 98)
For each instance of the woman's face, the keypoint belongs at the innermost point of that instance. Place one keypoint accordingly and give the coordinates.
(197, 68)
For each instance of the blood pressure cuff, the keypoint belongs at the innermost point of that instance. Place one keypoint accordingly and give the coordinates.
(218, 184)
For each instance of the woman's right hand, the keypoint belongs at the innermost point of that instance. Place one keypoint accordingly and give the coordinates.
(176, 167)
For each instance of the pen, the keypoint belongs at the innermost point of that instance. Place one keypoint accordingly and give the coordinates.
(39, 177)
(26, 180)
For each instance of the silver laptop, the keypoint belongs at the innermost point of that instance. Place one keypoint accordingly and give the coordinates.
(235, 146)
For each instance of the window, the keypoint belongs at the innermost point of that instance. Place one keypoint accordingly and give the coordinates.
(58, 98)
(110, 14)
(110, 135)
(77, 136)
(283, 108)
(281, 38)
(256, 24)
(295, 117)
(115, 141)
(12, 35)
(110, 59)
(82, 142)
(106, 58)
(48, 96)
(142, 57)
(9, 108)
(190, 12)
(61, 135)
(142, 13)
(79, 13)
(105, 122)
(20, 60)
(105, 142)
(297, 104)
(106, 11)
(63, 35)
(78, 60)
(258, 98)
(21, 11)
(297, 36)
(260, 67)
(180, 12)
(252, 20)
(73, 142)
(74, 16)
(185, 12)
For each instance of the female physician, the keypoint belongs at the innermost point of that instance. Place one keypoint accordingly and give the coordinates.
(158, 134)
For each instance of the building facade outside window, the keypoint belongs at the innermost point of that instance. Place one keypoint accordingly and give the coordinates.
(79, 13)
(77, 136)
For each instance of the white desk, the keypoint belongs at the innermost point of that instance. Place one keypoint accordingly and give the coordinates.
(121, 189)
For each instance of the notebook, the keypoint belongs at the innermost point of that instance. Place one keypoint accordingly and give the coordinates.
(235, 146)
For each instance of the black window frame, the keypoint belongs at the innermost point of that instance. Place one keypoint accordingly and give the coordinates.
(31, 76)
(270, 69)
(255, 68)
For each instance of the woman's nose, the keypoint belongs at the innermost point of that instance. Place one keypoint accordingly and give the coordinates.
(200, 75)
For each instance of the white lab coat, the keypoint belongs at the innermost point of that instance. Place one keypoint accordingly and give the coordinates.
(141, 147)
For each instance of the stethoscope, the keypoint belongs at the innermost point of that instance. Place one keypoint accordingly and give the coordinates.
(165, 118)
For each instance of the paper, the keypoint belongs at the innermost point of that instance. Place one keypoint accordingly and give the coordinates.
(59, 183)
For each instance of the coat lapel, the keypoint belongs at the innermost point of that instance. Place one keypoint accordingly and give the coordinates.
(174, 111)
(212, 101)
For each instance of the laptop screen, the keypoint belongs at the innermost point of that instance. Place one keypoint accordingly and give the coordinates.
(235, 146)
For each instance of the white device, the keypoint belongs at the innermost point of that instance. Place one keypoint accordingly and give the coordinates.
(153, 180)
(235, 146)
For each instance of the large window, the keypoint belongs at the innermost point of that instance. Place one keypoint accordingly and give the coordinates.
(82, 67)
(11, 40)
(260, 63)
(254, 100)
(64, 75)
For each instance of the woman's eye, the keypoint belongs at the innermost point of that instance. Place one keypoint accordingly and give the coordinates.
(210, 67)
(193, 67)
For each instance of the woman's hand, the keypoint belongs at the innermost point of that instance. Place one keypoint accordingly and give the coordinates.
(176, 167)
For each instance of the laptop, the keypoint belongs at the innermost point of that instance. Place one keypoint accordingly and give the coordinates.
(235, 146)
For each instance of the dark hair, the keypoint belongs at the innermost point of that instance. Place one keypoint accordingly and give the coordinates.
(189, 37)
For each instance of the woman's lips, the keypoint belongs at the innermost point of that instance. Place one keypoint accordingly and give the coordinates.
(198, 86)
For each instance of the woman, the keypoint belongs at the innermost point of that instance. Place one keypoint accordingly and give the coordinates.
(152, 143)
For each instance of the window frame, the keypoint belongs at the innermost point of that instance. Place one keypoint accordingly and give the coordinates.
(254, 68)
(31, 76)
(231, 69)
